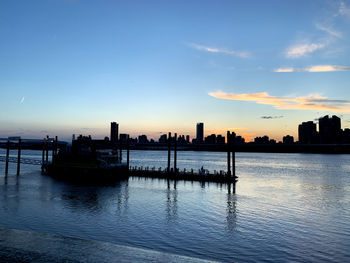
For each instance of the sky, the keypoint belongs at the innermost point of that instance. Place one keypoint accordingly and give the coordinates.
(253, 67)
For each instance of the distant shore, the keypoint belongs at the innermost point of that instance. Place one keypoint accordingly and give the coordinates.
(248, 147)
(251, 147)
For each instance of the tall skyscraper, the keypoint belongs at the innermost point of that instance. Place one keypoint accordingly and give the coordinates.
(114, 132)
(200, 132)
(330, 130)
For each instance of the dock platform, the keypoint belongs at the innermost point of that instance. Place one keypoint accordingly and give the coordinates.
(186, 175)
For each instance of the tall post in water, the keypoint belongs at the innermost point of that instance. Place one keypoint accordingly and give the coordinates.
(56, 145)
(7, 157)
(47, 148)
(120, 149)
(169, 145)
(228, 153)
(19, 156)
(53, 143)
(43, 156)
(175, 149)
(233, 140)
(127, 151)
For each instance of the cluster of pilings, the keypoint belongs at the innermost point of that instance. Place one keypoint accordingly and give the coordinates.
(45, 151)
(8, 146)
(231, 137)
(169, 169)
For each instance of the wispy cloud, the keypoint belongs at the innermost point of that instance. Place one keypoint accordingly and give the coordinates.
(317, 68)
(271, 117)
(242, 54)
(310, 102)
(22, 100)
(330, 31)
(343, 9)
(300, 50)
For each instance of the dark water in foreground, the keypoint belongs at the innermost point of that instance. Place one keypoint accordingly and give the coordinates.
(288, 207)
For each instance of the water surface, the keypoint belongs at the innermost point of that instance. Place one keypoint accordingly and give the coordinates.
(288, 207)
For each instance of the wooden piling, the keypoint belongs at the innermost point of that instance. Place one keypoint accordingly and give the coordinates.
(43, 156)
(233, 139)
(53, 142)
(47, 148)
(120, 149)
(228, 153)
(175, 151)
(7, 157)
(169, 154)
(19, 156)
(56, 145)
(127, 151)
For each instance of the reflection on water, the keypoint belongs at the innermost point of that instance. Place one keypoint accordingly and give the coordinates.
(171, 203)
(287, 207)
(231, 212)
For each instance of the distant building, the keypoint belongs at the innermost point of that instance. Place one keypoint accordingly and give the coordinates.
(307, 133)
(330, 130)
(220, 139)
(123, 138)
(239, 140)
(187, 138)
(211, 139)
(143, 139)
(262, 140)
(163, 138)
(346, 136)
(288, 139)
(200, 132)
(272, 141)
(181, 139)
(114, 132)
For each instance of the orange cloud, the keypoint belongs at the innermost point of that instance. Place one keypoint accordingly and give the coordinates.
(317, 68)
(310, 102)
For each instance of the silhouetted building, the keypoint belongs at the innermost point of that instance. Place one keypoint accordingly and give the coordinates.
(307, 133)
(288, 139)
(187, 138)
(262, 140)
(181, 139)
(330, 130)
(239, 140)
(114, 132)
(220, 139)
(200, 132)
(123, 138)
(211, 139)
(163, 138)
(143, 139)
(346, 136)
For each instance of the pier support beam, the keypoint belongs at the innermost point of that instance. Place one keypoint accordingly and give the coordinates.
(228, 153)
(169, 153)
(47, 148)
(127, 151)
(56, 145)
(43, 156)
(233, 139)
(175, 152)
(120, 150)
(7, 157)
(19, 156)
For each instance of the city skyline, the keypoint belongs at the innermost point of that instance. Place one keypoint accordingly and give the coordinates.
(73, 67)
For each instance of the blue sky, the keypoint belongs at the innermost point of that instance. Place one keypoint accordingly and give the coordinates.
(256, 67)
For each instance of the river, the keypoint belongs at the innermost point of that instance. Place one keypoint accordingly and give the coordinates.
(287, 207)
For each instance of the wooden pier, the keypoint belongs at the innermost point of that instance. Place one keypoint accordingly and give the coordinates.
(200, 175)
(172, 173)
